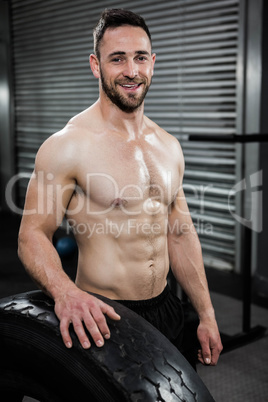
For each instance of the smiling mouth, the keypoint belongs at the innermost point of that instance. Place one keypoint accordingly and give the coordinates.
(130, 86)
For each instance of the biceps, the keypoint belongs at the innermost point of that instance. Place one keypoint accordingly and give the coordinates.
(180, 215)
(46, 200)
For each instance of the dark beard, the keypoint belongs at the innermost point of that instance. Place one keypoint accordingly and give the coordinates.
(129, 104)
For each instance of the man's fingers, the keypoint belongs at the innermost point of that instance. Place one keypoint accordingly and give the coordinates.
(96, 325)
(86, 315)
(215, 354)
(101, 322)
(80, 332)
(209, 357)
(110, 312)
(206, 353)
(64, 329)
(210, 342)
(200, 356)
(101, 327)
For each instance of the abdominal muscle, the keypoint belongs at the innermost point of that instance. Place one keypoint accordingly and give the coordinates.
(123, 261)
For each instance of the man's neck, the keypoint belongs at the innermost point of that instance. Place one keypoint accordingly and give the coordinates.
(129, 124)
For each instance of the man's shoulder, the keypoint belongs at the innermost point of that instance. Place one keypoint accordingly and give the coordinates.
(61, 148)
(88, 120)
(62, 141)
(165, 136)
(81, 119)
(72, 136)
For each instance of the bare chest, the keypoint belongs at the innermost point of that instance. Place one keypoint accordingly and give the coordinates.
(129, 175)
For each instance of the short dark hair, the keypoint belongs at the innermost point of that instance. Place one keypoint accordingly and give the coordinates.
(113, 18)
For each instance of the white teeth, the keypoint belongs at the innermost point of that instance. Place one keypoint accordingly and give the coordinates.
(130, 85)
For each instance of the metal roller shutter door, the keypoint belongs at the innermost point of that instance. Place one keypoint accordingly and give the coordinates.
(194, 92)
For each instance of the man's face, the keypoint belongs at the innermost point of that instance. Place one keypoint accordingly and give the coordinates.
(126, 66)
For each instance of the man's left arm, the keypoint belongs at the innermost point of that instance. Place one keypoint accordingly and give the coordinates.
(187, 266)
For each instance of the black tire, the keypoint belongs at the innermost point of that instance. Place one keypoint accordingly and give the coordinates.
(137, 364)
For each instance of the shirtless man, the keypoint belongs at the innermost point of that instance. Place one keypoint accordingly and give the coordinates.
(117, 177)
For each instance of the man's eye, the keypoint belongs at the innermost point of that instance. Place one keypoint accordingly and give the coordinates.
(116, 59)
(142, 58)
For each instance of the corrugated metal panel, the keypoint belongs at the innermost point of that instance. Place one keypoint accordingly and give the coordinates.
(194, 90)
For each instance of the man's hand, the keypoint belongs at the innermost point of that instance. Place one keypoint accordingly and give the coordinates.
(210, 341)
(78, 307)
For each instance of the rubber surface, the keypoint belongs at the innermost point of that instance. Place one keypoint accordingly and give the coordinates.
(137, 364)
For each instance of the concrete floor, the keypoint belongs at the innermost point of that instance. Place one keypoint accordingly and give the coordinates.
(241, 374)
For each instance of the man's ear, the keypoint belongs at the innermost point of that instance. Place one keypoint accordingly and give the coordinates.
(153, 61)
(94, 64)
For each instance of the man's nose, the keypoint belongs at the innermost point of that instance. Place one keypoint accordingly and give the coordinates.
(130, 70)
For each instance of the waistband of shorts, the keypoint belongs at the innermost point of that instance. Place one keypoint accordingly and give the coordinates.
(153, 302)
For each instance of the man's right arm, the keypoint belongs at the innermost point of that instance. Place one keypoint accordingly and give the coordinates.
(49, 192)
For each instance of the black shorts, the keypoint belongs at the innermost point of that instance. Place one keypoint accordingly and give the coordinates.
(164, 312)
